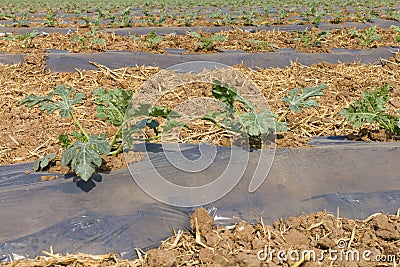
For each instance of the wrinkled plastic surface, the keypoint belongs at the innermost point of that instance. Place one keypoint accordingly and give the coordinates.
(111, 213)
(69, 62)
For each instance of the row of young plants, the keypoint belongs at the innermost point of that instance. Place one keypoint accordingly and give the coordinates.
(34, 6)
(94, 39)
(248, 18)
(83, 151)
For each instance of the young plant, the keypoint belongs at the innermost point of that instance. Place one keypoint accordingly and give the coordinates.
(111, 107)
(262, 44)
(317, 17)
(217, 14)
(208, 43)
(299, 98)
(23, 40)
(249, 17)
(194, 15)
(254, 124)
(365, 16)
(187, 19)
(50, 19)
(228, 19)
(153, 39)
(21, 21)
(148, 115)
(337, 17)
(397, 29)
(193, 34)
(314, 15)
(91, 41)
(245, 120)
(370, 108)
(84, 154)
(87, 20)
(283, 13)
(153, 20)
(125, 17)
(370, 35)
(309, 40)
(94, 30)
(100, 14)
(321, 36)
(393, 14)
(305, 38)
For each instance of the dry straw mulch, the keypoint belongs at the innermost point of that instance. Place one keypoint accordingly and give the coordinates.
(27, 134)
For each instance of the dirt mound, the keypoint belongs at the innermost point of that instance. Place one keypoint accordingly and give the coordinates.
(319, 238)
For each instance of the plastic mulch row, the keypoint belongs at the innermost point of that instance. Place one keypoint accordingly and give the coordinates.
(112, 213)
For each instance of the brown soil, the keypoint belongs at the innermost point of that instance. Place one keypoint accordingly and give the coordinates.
(313, 41)
(318, 239)
(28, 133)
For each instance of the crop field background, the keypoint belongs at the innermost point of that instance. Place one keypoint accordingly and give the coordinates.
(192, 13)
(329, 72)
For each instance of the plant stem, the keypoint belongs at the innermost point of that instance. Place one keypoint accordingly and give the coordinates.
(114, 140)
(77, 123)
(153, 138)
(280, 119)
(149, 139)
(119, 149)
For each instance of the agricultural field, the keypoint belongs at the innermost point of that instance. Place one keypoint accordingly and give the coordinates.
(78, 88)
(190, 13)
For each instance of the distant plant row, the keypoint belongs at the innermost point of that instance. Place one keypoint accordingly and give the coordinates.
(94, 39)
(188, 13)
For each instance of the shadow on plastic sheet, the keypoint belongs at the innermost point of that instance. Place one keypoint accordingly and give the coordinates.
(115, 215)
